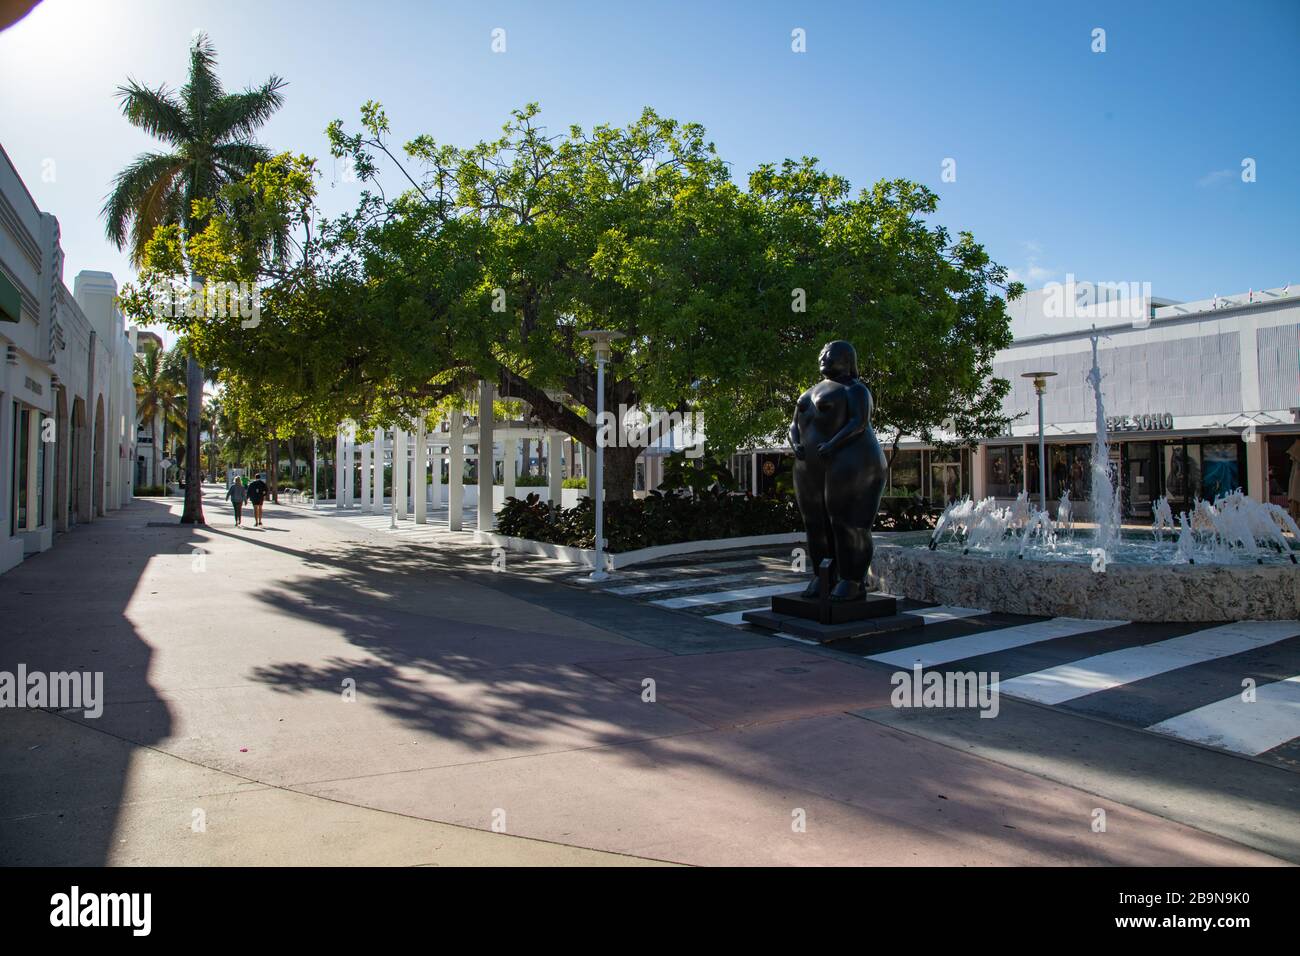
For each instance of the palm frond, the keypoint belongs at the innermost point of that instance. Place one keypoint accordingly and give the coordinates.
(204, 88)
(157, 112)
(141, 199)
(238, 116)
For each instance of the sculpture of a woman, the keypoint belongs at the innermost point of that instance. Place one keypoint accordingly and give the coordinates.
(839, 472)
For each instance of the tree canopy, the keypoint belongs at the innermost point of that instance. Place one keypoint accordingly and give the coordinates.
(490, 260)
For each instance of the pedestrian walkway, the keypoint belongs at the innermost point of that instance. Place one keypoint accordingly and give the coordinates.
(1181, 680)
(313, 674)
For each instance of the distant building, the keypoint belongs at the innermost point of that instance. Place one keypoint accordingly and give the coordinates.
(67, 403)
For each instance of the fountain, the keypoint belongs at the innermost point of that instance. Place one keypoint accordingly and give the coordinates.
(1232, 558)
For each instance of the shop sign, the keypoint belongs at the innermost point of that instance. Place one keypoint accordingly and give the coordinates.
(1140, 423)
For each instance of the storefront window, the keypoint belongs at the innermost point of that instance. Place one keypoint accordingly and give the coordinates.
(905, 473)
(945, 477)
(1284, 472)
(1219, 472)
(1069, 469)
(1182, 473)
(1004, 471)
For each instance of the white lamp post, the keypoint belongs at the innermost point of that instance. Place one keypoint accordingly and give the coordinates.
(601, 342)
(315, 451)
(1040, 387)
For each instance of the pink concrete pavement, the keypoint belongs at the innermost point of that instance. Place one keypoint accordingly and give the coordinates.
(475, 706)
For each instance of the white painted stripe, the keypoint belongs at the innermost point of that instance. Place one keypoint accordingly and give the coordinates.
(933, 615)
(726, 597)
(680, 584)
(1064, 682)
(989, 642)
(703, 570)
(736, 618)
(1245, 728)
(791, 637)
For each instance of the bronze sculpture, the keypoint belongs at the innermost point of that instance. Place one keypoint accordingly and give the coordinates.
(839, 472)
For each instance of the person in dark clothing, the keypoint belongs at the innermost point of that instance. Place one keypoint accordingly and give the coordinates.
(257, 492)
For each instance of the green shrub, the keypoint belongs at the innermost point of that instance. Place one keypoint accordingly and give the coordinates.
(531, 481)
(575, 483)
(646, 522)
(150, 491)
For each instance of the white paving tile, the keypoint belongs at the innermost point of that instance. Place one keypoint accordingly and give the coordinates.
(1064, 682)
(726, 597)
(989, 642)
(1270, 720)
(943, 612)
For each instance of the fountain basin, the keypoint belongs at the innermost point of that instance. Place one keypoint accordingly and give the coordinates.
(1128, 592)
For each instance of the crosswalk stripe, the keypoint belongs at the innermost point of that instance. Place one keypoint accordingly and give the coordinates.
(735, 618)
(700, 570)
(943, 612)
(988, 642)
(1064, 682)
(1269, 721)
(679, 584)
(726, 597)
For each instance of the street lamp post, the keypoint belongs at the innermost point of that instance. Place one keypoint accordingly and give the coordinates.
(600, 340)
(1040, 387)
(315, 449)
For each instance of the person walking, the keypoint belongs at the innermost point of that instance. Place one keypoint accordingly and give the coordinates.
(236, 494)
(257, 492)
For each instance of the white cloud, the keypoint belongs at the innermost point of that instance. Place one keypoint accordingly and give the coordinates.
(1214, 178)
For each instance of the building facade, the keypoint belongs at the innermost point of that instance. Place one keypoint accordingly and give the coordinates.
(1199, 399)
(67, 402)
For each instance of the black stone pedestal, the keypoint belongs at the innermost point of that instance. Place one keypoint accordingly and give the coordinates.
(822, 620)
(813, 630)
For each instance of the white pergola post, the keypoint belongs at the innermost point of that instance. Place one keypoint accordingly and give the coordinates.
(363, 479)
(555, 469)
(377, 482)
(435, 481)
(340, 452)
(456, 473)
(486, 516)
(509, 453)
(400, 466)
(420, 473)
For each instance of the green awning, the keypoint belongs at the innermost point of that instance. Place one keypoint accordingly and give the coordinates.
(11, 301)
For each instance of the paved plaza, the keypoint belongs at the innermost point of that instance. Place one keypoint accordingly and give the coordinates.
(328, 689)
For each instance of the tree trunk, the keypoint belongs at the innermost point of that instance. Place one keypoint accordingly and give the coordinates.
(153, 440)
(193, 511)
(273, 468)
(620, 473)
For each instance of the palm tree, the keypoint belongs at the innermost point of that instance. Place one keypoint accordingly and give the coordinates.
(209, 135)
(152, 394)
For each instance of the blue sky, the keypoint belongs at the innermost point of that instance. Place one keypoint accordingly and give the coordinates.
(1115, 166)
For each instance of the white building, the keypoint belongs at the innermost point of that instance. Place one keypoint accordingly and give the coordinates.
(67, 402)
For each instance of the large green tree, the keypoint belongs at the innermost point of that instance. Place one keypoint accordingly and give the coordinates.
(492, 259)
(208, 137)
